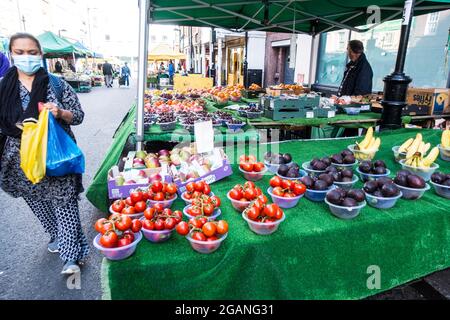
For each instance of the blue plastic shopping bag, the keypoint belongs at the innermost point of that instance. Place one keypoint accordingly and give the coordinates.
(63, 155)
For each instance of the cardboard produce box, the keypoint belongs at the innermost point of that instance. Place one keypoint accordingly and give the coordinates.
(437, 100)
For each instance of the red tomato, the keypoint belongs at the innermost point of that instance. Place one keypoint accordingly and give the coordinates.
(236, 194)
(194, 211)
(183, 228)
(209, 229)
(140, 206)
(270, 210)
(202, 221)
(170, 223)
(118, 206)
(258, 192)
(253, 213)
(109, 239)
(250, 194)
(159, 207)
(136, 196)
(279, 214)
(149, 213)
(286, 184)
(196, 194)
(159, 224)
(211, 239)
(289, 194)
(195, 223)
(167, 212)
(123, 242)
(275, 182)
(207, 189)
(299, 189)
(145, 196)
(159, 197)
(157, 186)
(178, 216)
(222, 227)
(148, 225)
(150, 194)
(246, 166)
(103, 225)
(172, 188)
(129, 202)
(123, 223)
(258, 204)
(278, 191)
(258, 167)
(198, 236)
(263, 198)
(244, 158)
(136, 226)
(128, 235)
(216, 201)
(208, 209)
(199, 186)
(249, 184)
(129, 210)
(190, 187)
(187, 195)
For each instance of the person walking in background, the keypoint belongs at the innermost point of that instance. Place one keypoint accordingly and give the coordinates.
(58, 67)
(54, 200)
(108, 73)
(126, 74)
(171, 71)
(4, 65)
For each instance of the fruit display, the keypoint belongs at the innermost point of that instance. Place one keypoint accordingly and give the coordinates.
(244, 194)
(343, 159)
(345, 204)
(274, 160)
(382, 193)
(166, 117)
(416, 153)
(196, 190)
(161, 192)
(204, 236)
(263, 219)
(371, 170)
(223, 94)
(317, 166)
(159, 223)
(117, 231)
(366, 149)
(318, 186)
(175, 106)
(412, 186)
(286, 193)
(204, 206)
(444, 147)
(441, 184)
(254, 87)
(251, 169)
(342, 178)
(290, 171)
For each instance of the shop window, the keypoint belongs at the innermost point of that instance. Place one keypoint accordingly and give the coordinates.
(426, 60)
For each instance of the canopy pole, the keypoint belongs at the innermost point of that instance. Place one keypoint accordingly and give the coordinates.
(246, 62)
(396, 84)
(313, 49)
(144, 7)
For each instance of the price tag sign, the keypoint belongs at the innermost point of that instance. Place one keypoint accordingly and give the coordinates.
(310, 115)
(204, 136)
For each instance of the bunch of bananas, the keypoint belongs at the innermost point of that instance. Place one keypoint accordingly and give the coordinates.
(445, 141)
(416, 150)
(370, 143)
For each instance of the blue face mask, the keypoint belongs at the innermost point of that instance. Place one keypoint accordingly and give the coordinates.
(27, 64)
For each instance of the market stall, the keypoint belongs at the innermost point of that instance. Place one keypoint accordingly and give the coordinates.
(313, 255)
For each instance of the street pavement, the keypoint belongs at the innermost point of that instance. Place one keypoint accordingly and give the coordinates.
(27, 270)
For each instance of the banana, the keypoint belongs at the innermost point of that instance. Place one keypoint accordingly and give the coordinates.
(424, 149)
(431, 157)
(445, 141)
(363, 145)
(404, 147)
(414, 146)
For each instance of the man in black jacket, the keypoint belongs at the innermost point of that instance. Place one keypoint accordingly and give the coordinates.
(358, 75)
(108, 73)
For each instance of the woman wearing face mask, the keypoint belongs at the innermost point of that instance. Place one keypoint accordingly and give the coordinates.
(54, 201)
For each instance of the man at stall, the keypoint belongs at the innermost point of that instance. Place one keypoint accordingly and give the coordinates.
(358, 74)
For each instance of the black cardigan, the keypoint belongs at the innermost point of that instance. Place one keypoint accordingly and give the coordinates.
(357, 78)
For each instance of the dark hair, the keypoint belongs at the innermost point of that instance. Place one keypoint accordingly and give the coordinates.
(22, 35)
(356, 46)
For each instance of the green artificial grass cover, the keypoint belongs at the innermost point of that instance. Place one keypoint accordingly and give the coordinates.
(313, 255)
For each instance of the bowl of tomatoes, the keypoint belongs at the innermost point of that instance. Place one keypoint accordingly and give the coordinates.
(204, 236)
(118, 236)
(162, 193)
(195, 190)
(263, 219)
(242, 195)
(251, 169)
(286, 193)
(159, 223)
(205, 206)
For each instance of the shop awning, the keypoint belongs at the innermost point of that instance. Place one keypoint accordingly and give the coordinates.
(310, 16)
(83, 49)
(54, 46)
(164, 52)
